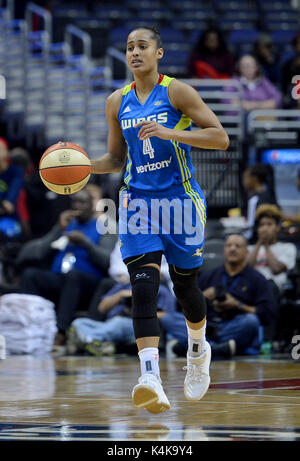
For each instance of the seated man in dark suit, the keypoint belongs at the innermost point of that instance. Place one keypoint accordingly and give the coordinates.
(240, 301)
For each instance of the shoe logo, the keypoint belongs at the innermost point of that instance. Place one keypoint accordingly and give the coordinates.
(127, 109)
(121, 243)
(198, 252)
(142, 276)
(158, 103)
(148, 365)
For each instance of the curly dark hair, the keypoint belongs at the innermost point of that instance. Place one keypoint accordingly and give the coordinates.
(200, 46)
(268, 210)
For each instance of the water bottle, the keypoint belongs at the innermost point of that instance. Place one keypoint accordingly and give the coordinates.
(68, 262)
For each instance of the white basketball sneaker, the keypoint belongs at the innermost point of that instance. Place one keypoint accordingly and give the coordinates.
(197, 378)
(149, 394)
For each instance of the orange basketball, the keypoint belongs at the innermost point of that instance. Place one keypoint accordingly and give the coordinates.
(65, 168)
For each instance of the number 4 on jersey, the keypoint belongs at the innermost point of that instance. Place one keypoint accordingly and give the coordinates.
(147, 148)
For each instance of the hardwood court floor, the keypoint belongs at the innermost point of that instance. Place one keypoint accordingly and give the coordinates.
(89, 398)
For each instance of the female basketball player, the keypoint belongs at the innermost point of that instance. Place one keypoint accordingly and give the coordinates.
(151, 120)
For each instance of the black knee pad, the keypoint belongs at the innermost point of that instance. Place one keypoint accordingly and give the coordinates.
(188, 293)
(145, 284)
(183, 279)
(135, 262)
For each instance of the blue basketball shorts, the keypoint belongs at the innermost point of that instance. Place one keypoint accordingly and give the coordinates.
(172, 221)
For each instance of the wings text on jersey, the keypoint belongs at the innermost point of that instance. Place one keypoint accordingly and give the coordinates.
(130, 122)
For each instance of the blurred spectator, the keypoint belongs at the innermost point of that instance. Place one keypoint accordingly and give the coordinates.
(81, 260)
(271, 258)
(96, 193)
(292, 66)
(294, 218)
(267, 58)
(118, 269)
(20, 157)
(11, 182)
(240, 301)
(44, 205)
(118, 272)
(96, 336)
(257, 91)
(258, 183)
(210, 57)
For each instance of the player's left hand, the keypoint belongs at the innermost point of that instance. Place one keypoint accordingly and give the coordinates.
(150, 129)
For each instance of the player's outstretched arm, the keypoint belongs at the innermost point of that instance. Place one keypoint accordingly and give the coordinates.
(114, 160)
(188, 101)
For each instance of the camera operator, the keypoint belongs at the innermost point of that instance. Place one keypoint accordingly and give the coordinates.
(240, 302)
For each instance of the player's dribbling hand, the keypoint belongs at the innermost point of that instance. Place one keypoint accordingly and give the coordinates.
(150, 129)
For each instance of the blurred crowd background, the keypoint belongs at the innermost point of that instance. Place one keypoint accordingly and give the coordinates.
(58, 63)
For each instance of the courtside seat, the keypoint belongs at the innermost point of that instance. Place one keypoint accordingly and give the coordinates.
(227, 25)
(279, 25)
(243, 40)
(118, 36)
(98, 30)
(277, 5)
(114, 13)
(174, 62)
(156, 14)
(136, 5)
(283, 38)
(188, 26)
(170, 35)
(71, 10)
(137, 22)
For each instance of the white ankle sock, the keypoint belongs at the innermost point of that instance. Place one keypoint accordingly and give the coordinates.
(196, 341)
(149, 358)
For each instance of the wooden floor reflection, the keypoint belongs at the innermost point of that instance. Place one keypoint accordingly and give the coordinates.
(87, 398)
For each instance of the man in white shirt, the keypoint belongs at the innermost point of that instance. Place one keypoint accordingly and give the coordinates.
(271, 258)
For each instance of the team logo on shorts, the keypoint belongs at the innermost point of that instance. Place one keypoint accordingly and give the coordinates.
(198, 252)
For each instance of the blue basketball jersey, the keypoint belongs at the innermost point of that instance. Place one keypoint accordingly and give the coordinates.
(154, 164)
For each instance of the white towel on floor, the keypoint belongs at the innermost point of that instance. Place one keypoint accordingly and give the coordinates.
(28, 323)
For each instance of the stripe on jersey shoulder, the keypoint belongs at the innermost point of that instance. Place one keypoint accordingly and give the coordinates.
(166, 80)
(126, 89)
